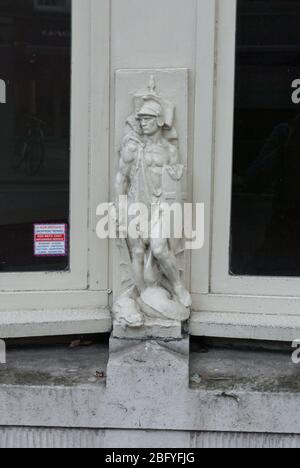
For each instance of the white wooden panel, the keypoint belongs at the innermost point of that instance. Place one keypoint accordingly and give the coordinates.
(152, 35)
(203, 134)
(99, 135)
(156, 34)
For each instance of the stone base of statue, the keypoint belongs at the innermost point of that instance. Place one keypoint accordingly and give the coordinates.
(130, 364)
(150, 330)
(155, 314)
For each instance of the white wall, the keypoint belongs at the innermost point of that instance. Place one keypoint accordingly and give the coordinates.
(155, 34)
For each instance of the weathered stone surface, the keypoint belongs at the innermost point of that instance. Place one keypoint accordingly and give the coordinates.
(27, 437)
(152, 329)
(181, 346)
(148, 365)
(239, 391)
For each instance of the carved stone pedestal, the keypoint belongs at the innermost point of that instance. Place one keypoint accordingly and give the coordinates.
(153, 375)
(157, 329)
(181, 346)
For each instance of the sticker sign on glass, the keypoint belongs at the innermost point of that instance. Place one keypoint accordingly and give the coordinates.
(50, 240)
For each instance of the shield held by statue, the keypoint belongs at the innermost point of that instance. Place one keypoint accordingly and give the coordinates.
(174, 184)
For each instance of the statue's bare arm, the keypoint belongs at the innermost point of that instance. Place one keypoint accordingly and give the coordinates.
(122, 179)
(174, 156)
(174, 167)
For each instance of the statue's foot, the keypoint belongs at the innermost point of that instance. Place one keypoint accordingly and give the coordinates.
(126, 312)
(183, 295)
(158, 303)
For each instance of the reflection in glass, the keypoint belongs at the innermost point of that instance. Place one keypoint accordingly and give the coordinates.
(265, 224)
(35, 65)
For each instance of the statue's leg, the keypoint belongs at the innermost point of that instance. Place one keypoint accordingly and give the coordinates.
(168, 264)
(137, 248)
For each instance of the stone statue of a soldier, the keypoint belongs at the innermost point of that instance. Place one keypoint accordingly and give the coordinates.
(148, 167)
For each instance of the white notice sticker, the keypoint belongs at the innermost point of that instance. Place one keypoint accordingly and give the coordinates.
(50, 240)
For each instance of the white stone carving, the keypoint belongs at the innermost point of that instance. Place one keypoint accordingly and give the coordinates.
(152, 294)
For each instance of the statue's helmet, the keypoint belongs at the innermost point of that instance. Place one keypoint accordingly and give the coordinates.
(152, 108)
(151, 104)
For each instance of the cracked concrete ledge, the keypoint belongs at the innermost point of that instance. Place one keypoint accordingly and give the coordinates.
(229, 391)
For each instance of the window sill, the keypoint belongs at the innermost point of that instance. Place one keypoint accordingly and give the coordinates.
(67, 321)
(268, 318)
(285, 328)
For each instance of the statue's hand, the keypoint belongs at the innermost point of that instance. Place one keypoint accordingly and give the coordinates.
(176, 171)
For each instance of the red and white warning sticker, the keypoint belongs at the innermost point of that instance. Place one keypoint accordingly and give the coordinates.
(50, 240)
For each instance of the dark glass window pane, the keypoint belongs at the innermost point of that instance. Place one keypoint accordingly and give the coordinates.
(35, 69)
(265, 224)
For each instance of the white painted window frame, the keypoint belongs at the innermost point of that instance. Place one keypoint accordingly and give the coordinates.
(225, 305)
(76, 277)
(76, 301)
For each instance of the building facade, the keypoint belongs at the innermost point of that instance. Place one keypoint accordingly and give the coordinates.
(69, 71)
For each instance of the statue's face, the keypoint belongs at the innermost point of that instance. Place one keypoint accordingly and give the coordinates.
(149, 125)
